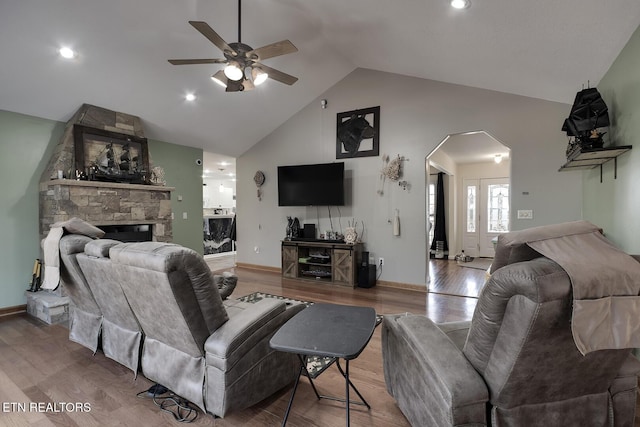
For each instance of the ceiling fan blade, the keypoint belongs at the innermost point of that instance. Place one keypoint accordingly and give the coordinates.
(196, 61)
(213, 37)
(278, 75)
(282, 47)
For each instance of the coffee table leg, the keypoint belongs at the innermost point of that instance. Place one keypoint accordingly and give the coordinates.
(346, 375)
(347, 391)
(295, 387)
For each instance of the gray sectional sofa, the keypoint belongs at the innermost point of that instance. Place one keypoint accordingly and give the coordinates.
(158, 310)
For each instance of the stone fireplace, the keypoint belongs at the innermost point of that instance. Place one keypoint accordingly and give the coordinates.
(65, 191)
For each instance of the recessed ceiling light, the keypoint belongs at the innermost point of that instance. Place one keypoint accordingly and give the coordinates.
(190, 97)
(460, 4)
(67, 53)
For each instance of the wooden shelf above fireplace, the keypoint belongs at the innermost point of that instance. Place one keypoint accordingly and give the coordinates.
(102, 184)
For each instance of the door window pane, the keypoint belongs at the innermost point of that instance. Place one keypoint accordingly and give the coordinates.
(498, 208)
(432, 210)
(471, 208)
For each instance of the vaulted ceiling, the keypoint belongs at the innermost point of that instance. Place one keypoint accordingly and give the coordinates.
(545, 49)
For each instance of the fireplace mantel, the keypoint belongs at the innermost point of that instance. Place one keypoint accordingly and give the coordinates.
(101, 184)
(106, 203)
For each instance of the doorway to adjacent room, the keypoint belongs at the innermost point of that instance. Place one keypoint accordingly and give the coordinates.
(472, 171)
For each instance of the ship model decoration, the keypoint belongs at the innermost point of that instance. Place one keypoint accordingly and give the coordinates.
(584, 126)
(117, 164)
(111, 157)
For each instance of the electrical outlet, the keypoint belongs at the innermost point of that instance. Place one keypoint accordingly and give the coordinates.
(525, 214)
(380, 262)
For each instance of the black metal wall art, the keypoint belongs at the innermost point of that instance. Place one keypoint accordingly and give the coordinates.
(358, 133)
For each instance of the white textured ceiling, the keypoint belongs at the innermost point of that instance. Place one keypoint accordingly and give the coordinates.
(545, 49)
(473, 147)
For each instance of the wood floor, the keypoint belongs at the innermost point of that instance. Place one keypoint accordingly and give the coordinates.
(449, 278)
(38, 363)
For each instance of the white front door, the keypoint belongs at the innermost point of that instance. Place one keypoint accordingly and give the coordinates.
(486, 214)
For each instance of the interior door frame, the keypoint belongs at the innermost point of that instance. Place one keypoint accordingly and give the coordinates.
(456, 204)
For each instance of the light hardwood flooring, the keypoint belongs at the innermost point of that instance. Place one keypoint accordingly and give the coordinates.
(38, 363)
(448, 278)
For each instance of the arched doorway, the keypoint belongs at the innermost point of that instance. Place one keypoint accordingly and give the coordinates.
(476, 171)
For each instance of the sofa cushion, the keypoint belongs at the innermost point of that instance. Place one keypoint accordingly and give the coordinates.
(100, 248)
(188, 276)
(78, 226)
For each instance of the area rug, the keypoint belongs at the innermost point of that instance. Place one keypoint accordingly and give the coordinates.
(477, 263)
(315, 364)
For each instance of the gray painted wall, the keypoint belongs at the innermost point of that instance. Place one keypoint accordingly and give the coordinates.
(416, 115)
(26, 143)
(614, 204)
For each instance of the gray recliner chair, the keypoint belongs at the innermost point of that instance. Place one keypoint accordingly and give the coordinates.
(121, 333)
(215, 354)
(85, 319)
(515, 363)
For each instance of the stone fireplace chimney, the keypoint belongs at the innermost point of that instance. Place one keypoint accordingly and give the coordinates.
(62, 196)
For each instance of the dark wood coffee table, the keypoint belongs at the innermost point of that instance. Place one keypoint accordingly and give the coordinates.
(327, 330)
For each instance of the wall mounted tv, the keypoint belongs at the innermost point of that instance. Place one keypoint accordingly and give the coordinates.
(311, 185)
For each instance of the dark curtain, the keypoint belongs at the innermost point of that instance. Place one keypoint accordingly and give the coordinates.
(440, 226)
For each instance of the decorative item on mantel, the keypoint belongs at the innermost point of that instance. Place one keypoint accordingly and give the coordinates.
(157, 176)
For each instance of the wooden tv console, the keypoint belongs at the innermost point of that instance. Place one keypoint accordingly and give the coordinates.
(327, 262)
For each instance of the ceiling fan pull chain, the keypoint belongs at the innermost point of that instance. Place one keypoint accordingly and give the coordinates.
(239, 20)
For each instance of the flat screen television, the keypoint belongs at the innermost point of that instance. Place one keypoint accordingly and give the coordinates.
(311, 185)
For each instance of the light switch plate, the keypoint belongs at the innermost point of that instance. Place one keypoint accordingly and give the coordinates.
(525, 214)
(184, 215)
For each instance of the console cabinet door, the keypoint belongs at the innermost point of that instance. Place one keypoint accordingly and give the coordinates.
(343, 266)
(289, 261)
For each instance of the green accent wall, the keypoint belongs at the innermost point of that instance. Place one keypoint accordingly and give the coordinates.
(182, 172)
(614, 204)
(26, 143)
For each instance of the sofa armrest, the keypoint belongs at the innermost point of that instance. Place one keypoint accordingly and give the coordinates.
(248, 324)
(429, 376)
(624, 392)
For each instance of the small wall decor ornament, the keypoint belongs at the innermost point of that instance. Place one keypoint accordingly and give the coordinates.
(392, 170)
(259, 178)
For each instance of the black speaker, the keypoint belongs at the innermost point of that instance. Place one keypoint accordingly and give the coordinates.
(309, 231)
(366, 275)
(364, 260)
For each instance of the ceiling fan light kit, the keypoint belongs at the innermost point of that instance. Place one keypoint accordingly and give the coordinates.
(220, 78)
(244, 69)
(258, 76)
(233, 71)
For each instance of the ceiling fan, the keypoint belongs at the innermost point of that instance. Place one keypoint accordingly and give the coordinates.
(244, 68)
